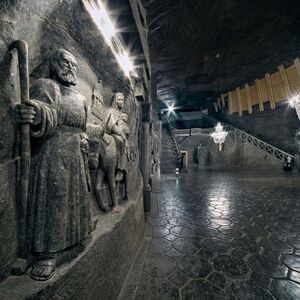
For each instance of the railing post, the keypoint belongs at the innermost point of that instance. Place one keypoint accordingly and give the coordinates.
(174, 139)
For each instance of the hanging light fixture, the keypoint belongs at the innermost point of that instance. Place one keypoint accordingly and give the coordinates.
(219, 135)
(294, 102)
(101, 18)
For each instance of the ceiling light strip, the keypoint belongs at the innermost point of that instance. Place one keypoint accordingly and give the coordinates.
(101, 18)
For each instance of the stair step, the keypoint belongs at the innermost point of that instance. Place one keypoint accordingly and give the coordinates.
(168, 150)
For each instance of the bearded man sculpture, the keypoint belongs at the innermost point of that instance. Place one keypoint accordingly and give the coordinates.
(58, 208)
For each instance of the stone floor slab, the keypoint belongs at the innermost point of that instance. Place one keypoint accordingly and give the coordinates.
(244, 290)
(230, 266)
(179, 278)
(194, 266)
(186, 245)
(215, 245)
(223, 235)
(292, 261)
(285, 290)
(159, 245)
(202, 290)
(217, 279)
(156, 288)
(267, 265)
(159, 265)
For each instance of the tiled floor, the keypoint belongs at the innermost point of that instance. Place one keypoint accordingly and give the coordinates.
(220, 235)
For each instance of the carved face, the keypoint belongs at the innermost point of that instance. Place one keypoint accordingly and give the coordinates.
(120, 101)
(124, 118)
(65, 66)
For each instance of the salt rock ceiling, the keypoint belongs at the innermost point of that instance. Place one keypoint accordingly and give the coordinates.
(200, 48)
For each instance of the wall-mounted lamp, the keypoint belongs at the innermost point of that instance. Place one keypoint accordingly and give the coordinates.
(219, 135)
(294, 102)
(101, 18)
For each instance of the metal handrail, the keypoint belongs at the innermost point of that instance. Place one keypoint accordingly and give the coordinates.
(174, 139)
(182, 132)
(242, 135)
(274, 151)
(191, 131)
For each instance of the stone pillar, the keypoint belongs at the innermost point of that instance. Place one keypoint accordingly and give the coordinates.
(145, 154)
(160, 141)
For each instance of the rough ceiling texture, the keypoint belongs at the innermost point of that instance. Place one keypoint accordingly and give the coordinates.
(201, 48)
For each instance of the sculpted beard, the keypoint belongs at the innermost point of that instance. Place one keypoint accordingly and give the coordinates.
(67, 76)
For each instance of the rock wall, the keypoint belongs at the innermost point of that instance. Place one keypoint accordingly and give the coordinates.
(277, 127)
(184, 120)
(99, 271)
(47, 25)
(234, 153)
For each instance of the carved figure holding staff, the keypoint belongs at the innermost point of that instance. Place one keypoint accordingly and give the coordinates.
(58, 215)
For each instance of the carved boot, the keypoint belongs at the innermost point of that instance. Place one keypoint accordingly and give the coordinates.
(85, 242)
(116, 209)
(44, 268)
(119, 175)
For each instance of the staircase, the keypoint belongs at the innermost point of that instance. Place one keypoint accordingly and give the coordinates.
(239, 134)
(170, 157)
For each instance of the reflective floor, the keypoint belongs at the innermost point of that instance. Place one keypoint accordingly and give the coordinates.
(220, 235)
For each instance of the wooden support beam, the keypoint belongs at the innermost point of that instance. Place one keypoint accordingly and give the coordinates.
(230, 103)
(223, 99)
(297, 65)
(216, 106)
(239, 99)
(285, 81)
(248, 98)
(219, 103)
(259, 95)
(270, 91)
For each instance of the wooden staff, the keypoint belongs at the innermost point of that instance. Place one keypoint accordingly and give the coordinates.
(25, 150)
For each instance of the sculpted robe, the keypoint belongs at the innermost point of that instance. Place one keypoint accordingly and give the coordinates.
(115, 126)
(58, 207)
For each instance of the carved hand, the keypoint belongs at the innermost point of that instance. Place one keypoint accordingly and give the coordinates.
(28, 113)
(106, 139)
(123, 136)
(84, 145)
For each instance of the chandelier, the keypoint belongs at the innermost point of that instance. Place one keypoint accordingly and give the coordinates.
(219, 135)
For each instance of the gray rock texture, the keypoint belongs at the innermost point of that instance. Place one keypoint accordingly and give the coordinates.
(277, 127)
(99, 271)
(234, 153)
(46, 26)
(200, 48)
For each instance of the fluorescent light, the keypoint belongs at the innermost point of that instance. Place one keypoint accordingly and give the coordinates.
(124, 61)
(101, 18)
